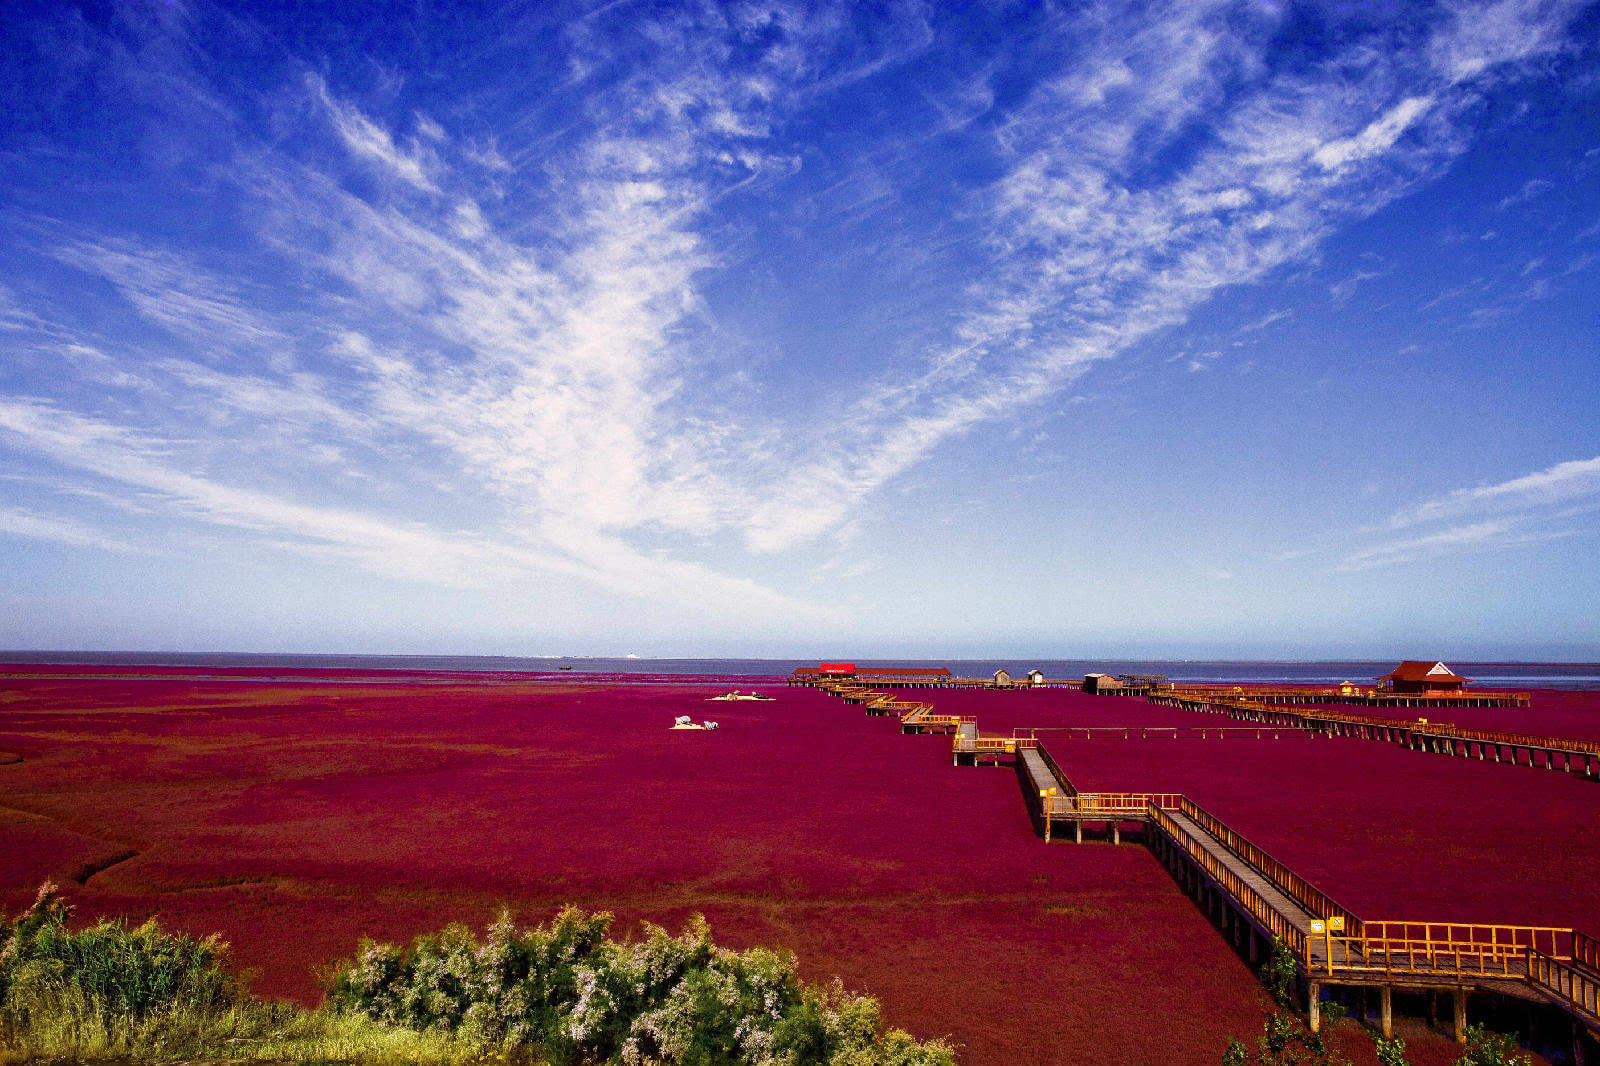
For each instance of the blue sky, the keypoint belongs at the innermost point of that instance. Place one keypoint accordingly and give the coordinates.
(1189, 329)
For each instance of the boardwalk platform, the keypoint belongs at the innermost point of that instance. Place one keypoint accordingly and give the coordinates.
(1256, 899)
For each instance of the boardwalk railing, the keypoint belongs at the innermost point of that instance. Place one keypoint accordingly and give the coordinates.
(1586, 952)
(1446, 949)
(1291, 884)
(1160, 732)
(1087, 806)
(1129, 803)
(1243, 706)
(1512, 740)
(991, 744)
(1271, 919)
(1577, 989)
(1356, 694)
(1055, 768)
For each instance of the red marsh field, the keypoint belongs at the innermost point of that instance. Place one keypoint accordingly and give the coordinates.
(294, 816)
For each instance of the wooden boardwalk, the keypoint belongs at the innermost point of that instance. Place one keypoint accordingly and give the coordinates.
(1351, 694)
(1257, 900)
(1567, 754)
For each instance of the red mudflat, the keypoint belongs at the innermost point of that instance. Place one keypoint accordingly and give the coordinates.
(295, 817)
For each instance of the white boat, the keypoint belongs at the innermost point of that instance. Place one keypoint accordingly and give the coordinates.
(728, 697)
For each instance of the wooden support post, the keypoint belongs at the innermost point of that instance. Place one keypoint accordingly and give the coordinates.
(1116, 833)
(1077, 831)
(1386, 1011)
(1314, 1006)
(1254, 952)
(1046, 826)
(1460, 995)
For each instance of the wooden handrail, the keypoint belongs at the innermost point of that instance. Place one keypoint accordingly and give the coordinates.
(1144, 732)
(1288, 882)
(1275, 923)
(1417, 957)
(1089, 805)
(1447, 948)
(1434, 729)
(1055, 768)
(1125, 802)
(1586, 952)
(1333, 692)
(1472, 936)
(1578, 989)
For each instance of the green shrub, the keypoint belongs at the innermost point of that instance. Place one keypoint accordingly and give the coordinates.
(1491, 1049)
(1391, 1051)
(1280, 972)
(574, 996)
(556, 993)
(1284, 1041)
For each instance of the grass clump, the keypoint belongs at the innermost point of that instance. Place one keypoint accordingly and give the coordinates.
(555, 994)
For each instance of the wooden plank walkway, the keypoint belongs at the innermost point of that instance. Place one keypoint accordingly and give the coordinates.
(1040, 777)
(1257, 899)
(1249, 887)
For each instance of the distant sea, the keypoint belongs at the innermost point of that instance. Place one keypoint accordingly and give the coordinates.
(1485, 674)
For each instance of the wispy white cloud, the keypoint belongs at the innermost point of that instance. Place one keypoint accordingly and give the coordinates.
(1532, 188)
(175, 292)
(1265, 320)
(1475, 536)
(371, 141)
(1378, 137)
(407, 550)
(1561, 484)
(1549, 504)
(57, 529)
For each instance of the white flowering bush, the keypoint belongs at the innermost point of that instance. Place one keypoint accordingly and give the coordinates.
(567, 993)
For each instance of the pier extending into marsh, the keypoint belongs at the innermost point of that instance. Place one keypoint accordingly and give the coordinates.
(1257, 900)
(1567, 754)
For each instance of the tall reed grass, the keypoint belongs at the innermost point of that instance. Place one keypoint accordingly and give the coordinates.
(554, 994)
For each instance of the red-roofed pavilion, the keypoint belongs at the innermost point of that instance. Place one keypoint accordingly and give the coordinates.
(1421, 677)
